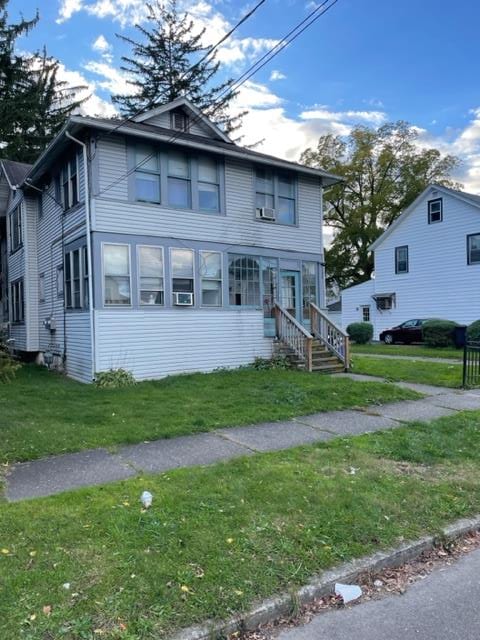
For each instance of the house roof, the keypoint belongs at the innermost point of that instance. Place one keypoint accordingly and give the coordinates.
(469, 198)
(161, 134)
(335, 306)
(15, 172)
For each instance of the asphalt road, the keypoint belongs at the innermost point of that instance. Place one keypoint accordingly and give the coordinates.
(443, 606)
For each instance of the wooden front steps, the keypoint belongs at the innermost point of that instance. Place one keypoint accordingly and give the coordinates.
(323, 361)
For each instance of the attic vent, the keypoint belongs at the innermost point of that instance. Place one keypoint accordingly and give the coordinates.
(179, 121)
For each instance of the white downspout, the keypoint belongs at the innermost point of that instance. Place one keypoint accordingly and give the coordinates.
(89, 247)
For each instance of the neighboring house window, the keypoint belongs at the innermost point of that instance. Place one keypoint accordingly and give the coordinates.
(179, 182)
(116, 273)
(366, 313)
(150, 267)
(244, 281)
(270, 286)
(401, 259)
(211, 278)
(435, 210)
(309, 287)
(41, 287)
(69, 184)
(147, 174)
(76, 279)
(60, 281)
(179, 120)
(277, 192)
(182, 266)
(208, 185)
(385, 302)
(17, 304)
(16, 230)
(473, 248)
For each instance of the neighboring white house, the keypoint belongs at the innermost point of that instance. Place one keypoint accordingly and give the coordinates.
(427, 265)
(158, 245)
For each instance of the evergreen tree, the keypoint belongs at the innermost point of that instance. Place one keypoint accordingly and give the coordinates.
(34, 103)
(167, 64)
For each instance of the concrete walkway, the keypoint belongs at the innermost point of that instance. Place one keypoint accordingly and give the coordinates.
(53, 475)
(384, 356)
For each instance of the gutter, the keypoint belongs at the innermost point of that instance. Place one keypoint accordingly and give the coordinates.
(89, 246)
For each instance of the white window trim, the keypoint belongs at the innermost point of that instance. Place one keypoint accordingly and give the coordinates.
(139, 277)
(430, 202)
(201, 278)
(170, 264)
(113, 305)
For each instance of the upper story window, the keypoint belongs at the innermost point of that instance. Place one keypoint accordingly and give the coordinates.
(208, 185)
(147, 174)
(76, 279)
(244, 281)
(435, 210)
(275, 196)
(116, 274)
(68, 186)
(182, 266)
(179, 120)
(150, 266)
(17, 301)
(473, 248)
(179, 180)
(16, 229)
(401, 259)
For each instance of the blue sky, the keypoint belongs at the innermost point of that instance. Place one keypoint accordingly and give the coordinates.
(364, 61)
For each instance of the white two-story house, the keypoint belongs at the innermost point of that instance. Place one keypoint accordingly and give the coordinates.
(427, 265)
(158, 245)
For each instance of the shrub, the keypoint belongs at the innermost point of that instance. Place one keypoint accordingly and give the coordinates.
(360, 332)
(276, 362)
(439, 333)
(114, 379)
(8, 365)
(473, 331)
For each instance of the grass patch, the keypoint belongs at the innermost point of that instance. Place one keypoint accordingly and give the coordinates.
(218, 538)
(44, 413)
(418, 351)
(435, 373)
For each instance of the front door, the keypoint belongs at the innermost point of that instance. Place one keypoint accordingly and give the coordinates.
(290, 293)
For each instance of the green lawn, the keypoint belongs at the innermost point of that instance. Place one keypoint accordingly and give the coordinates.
(435, 373)
(219, 538)
(419, 351)
(44, 413)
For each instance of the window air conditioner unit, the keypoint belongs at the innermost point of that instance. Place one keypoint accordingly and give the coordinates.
(266, 213)
(182, 299)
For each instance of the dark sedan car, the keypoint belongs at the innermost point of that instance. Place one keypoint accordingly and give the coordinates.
(407, 332)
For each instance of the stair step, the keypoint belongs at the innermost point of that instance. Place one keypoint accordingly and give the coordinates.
(338, 366)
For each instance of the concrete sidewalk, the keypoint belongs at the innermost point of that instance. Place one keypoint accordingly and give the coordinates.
(53, 475)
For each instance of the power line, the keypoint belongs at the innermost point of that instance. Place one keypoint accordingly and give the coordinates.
(292, 35)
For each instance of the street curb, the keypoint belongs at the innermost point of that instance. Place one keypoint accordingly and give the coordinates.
(281, 606)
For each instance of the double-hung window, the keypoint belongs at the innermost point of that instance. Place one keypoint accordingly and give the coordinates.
(179, 181)
(473, 248)
(76, 279)
(208, 185)
(182, 267)
(41, 287)
(270, 286)
(366, 313)
(116, 274)
(69, 183)
(435, 211)
(244, 280)
(17, 304)
(277, 192)
(16, 230)
(150, 266)
(60, 287)
(309, 287)
(147, 174)
(401, 259)
(211, 278)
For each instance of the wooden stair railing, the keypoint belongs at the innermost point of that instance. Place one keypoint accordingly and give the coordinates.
(291, 332)
(335, 339)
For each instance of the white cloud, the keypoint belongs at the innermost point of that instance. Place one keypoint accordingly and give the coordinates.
(375, 118)
(277, 75)
(114, 80)
(94, 105)
(101, 44)
(67, 9)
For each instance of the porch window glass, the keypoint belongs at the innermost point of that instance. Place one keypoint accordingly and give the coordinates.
(76, 279)
(309, 287)
(208, 185)
(244, 281)
(211, 278)
(85, 277)
(179, 183)
(270, 286)
(116, 271)
(150, 261)
(473, 246)
(147, 174)
(182, 270)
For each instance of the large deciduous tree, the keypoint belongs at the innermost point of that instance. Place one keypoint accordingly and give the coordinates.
(167, 63)
(384, 170)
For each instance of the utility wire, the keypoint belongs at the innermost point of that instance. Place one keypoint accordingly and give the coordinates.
(292, 35)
